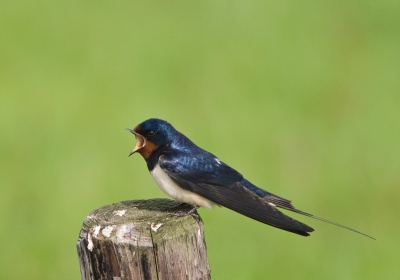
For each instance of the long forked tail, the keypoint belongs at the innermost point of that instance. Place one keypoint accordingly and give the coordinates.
(287, 205)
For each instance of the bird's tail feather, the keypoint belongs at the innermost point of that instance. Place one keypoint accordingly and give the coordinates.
(287, 205)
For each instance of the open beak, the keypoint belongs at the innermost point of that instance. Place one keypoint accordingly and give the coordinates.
(140, 141)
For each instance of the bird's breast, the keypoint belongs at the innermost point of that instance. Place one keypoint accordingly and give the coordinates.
(170, 188)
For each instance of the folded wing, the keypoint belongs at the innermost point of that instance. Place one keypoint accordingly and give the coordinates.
(210, 178)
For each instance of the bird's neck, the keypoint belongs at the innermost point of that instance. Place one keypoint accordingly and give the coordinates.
(152, 160)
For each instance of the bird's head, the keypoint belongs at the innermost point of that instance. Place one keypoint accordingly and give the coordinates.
(150, 135)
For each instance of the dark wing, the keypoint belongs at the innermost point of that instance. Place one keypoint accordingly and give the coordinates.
(208, 177)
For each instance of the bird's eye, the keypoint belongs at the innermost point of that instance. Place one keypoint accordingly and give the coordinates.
(151, 133)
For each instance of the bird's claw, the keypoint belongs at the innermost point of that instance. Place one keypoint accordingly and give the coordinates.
(191, 213)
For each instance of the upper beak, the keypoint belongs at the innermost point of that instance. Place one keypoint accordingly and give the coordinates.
(140, 141)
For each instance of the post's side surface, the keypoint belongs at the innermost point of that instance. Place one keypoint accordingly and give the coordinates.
(141, 239)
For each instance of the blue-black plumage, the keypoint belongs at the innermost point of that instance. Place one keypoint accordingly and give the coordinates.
(192, 175)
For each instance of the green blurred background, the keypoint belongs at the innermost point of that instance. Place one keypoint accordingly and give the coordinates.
(302, 97)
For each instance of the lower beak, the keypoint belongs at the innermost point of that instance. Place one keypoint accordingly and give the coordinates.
(140, 141)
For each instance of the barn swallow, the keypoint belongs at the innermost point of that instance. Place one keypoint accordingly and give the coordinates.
(192, 175)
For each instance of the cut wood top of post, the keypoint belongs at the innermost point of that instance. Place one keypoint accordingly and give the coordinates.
(158, 209)
(121, 217)
(143, 239)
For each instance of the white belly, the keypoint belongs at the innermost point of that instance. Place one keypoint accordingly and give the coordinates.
(171, 189)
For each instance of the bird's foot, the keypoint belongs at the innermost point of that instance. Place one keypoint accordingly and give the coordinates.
(191, 212)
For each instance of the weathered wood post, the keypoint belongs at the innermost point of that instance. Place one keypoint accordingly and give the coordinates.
(141, 239)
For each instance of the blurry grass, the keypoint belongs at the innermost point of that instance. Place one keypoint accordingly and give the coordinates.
(300, 97)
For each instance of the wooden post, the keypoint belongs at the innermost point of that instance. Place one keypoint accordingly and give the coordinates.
(141, 239)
